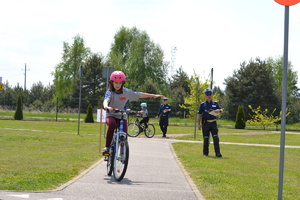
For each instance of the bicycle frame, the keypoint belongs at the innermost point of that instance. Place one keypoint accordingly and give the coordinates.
(118, 156)
(137, 122)
(119, 134)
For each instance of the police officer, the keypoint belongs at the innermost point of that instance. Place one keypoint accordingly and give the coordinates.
(164, 112)
(207, 121)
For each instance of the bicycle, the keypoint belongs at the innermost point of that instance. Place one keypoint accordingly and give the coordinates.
(118, 157)
(136, 128)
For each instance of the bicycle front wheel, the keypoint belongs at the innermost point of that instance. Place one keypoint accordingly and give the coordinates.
(121, 160)
(150, 131)
(133, 130)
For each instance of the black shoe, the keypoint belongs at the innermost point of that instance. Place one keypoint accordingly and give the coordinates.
(164, 136)
(105, 151)
(205, 154)
(219, 155)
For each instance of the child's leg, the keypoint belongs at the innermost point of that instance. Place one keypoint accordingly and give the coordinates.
(111, 123)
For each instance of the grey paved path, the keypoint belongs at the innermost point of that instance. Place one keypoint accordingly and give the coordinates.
(152, 173)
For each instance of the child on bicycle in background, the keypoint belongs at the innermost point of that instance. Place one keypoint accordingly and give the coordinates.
(144, 114)
(118, 97)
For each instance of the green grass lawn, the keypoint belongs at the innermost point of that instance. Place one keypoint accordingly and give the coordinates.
(244, 172)
(43, 155)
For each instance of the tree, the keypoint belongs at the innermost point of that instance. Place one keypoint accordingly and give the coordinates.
(252, 84)
(179, 89)
(7, 97)
(93, 85)
(140, 58)
(89, 117)
(292, 78)
(263, 117)
(153, 104)
(66, 77)
(293, 94)
(240, 118)
(19, 111)
(192, 102)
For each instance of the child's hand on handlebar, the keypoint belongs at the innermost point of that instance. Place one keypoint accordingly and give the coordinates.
(109, 109)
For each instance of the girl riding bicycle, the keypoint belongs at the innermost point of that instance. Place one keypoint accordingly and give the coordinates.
(144, 114)
(118, 97)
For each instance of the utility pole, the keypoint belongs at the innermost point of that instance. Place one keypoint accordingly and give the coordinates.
(25, 78)
(25, 74)
(173, 59)
(211, 78)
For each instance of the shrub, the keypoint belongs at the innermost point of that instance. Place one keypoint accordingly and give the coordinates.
(240, 118)
(19, 111)
(89, 117)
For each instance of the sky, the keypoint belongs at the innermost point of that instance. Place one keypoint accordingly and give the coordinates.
(217, 35)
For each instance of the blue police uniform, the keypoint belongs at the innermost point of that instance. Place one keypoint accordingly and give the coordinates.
(209, 124)
(164, 117)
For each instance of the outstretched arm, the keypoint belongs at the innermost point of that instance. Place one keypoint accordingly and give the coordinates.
(147, 95)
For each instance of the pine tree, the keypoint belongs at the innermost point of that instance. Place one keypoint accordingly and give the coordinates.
(19, 112)
(240, 118)
(89, 117)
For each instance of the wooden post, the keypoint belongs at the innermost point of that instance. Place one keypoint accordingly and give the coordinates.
(100, 139)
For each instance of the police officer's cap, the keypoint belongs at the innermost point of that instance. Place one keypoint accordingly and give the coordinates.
(165, 99)
(208, 91)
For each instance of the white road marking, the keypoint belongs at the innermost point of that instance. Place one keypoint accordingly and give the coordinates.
(25, 196)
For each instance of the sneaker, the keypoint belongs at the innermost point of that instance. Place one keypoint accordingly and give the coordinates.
(105, 151)
(205, 154)
(164, 136)
(218, 155)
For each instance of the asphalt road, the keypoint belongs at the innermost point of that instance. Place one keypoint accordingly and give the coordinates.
(153, 173)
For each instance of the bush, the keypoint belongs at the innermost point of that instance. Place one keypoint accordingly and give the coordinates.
(240, 118)
(19, 111)
(89, 117)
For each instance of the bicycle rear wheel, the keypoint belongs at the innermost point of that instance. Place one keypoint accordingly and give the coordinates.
(133, 130)
(150, 131)
(110, 162)
(121, 159)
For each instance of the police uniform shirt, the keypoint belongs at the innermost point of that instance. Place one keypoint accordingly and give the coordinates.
(162, 108)
(120, 100)
(205, 107)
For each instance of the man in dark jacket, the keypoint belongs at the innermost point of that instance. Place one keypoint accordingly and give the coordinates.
(208, 110)
(164, 112)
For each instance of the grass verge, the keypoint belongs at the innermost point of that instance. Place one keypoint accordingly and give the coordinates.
(43, 155)
(244, 172)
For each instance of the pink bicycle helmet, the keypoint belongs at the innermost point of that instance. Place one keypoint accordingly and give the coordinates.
(117, 76)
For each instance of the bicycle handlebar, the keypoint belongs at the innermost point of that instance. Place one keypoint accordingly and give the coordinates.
(116, 110)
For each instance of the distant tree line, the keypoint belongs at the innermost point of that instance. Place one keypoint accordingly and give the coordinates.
(256, 83)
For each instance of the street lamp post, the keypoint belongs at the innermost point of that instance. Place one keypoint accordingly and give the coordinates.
(285, 3)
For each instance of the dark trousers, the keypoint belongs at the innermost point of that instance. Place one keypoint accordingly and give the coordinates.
(144, 121)
(212, 128)
(163, 123)
(112, 124)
